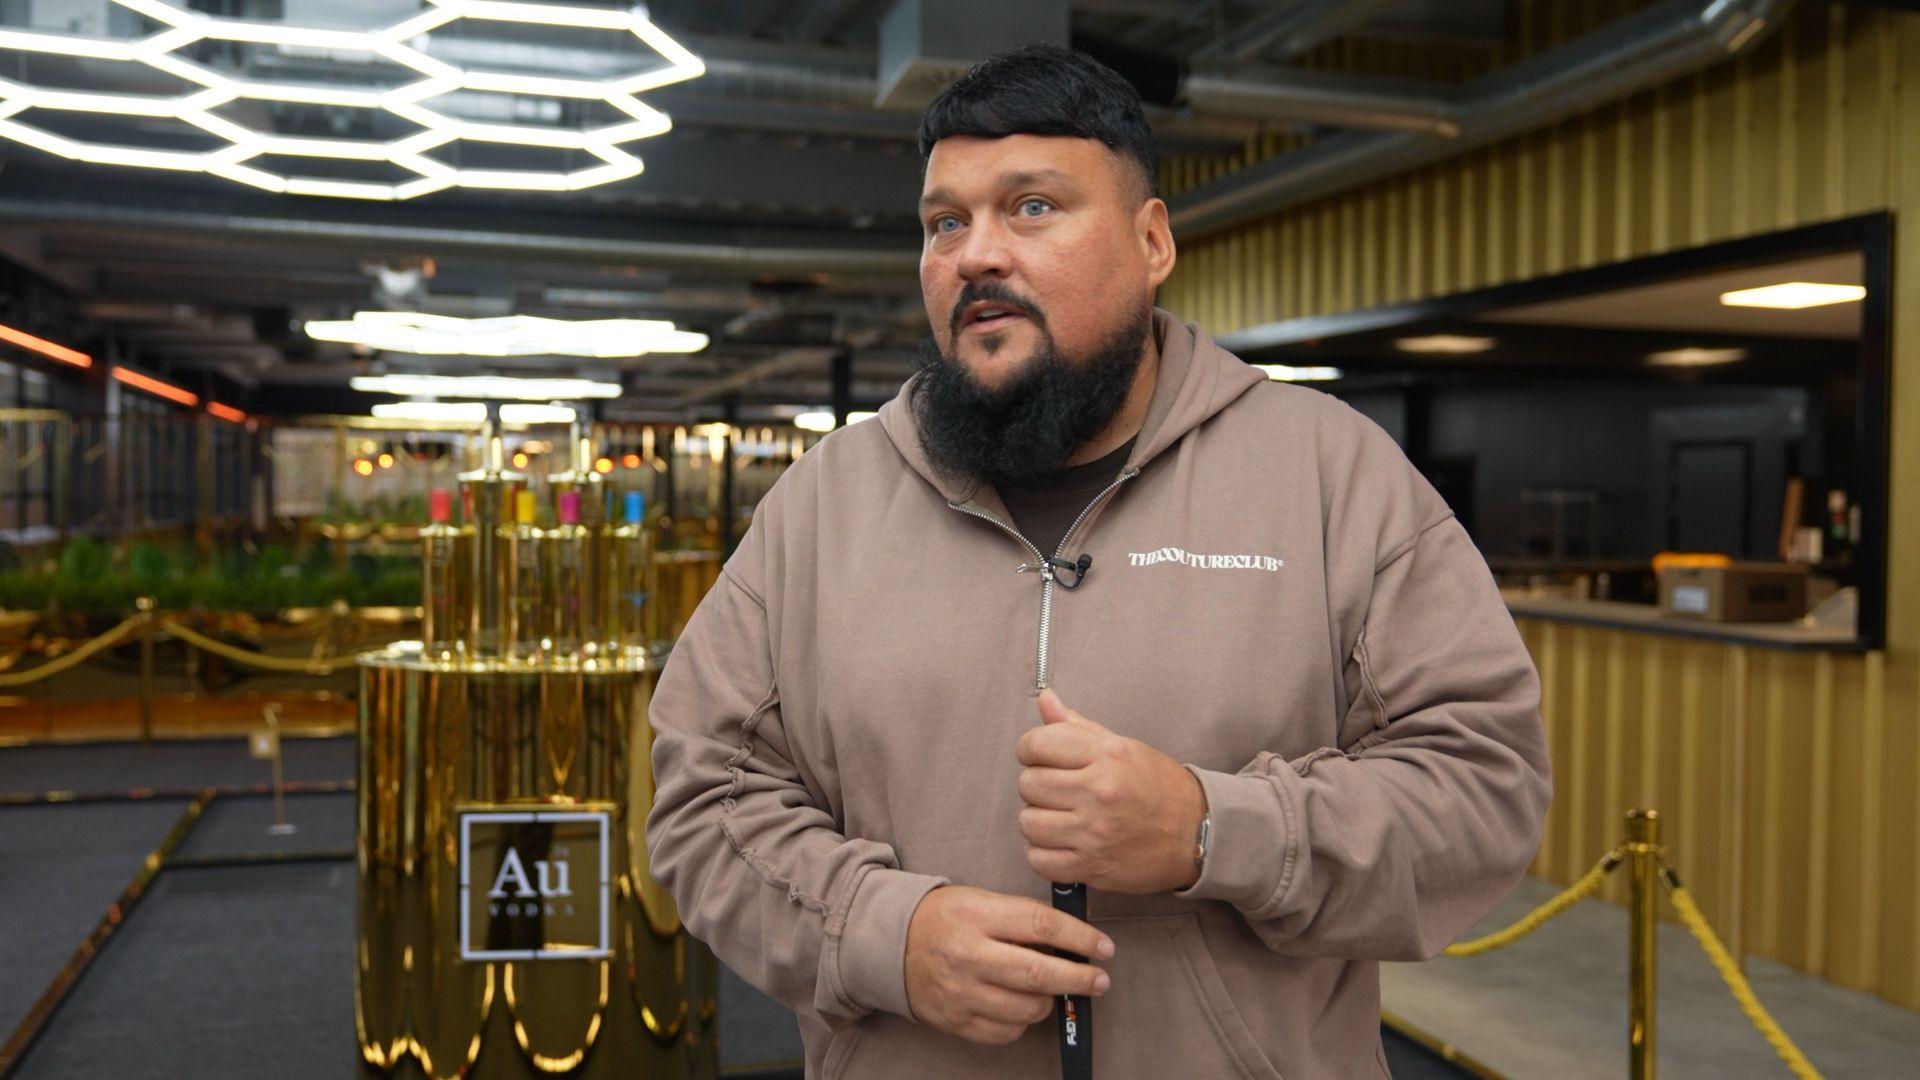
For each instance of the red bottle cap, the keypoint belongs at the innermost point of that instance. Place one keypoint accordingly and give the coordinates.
(440, 506)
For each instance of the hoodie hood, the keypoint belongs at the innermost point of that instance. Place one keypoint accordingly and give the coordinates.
(1196, 379)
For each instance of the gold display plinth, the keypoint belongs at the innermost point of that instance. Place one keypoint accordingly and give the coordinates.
(447, 751)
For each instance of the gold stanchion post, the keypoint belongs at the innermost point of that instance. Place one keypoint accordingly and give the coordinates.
(145, 604)
(281, 826)
(1643, 851)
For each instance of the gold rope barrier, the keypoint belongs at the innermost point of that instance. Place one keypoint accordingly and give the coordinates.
(1538, 917)
(1736, 983)
(78, 655)
(87, 650)
(310, 666)
(1648, 858)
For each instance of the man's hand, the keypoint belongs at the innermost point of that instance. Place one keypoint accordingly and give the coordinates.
(978, 964)
(1105, 810)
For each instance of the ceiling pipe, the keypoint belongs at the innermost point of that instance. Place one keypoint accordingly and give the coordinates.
(1285, 31)
(836, 88)
(1642, 50)
(805, 358)
(1287, 94)
(369, 235)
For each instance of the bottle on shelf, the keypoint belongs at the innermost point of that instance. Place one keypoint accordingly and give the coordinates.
(488, 494)
(585, 481)
(528, 586)
(584, 478)
(567, 549)
(443, 581)
(633, 577)
(1841, 535)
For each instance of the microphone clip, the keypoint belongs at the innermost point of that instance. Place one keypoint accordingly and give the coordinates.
(1078, 568)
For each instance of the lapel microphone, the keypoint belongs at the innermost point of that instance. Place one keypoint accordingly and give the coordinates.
(1078, 568)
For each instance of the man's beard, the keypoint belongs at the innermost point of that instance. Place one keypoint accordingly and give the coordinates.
(1030, 427)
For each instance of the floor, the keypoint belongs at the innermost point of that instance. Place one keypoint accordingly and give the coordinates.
(170, 994)
(1555, 1004)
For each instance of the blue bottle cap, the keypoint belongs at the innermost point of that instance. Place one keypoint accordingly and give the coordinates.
(636, 507)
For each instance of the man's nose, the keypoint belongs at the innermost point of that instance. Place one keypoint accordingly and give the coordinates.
(985, 252)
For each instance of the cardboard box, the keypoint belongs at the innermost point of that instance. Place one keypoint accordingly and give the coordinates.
(1737, 592)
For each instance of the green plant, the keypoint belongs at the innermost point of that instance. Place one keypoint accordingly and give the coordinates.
(88, 582)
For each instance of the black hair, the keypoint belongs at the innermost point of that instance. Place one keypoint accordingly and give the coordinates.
(1045, 90)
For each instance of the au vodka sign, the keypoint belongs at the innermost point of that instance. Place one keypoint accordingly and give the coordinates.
(534, 884)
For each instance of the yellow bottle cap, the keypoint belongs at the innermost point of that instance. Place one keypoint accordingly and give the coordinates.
(525, 510)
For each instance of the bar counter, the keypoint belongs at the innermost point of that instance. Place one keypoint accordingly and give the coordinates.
(1650, 619)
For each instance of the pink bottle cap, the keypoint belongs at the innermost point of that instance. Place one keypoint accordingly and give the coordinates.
(569, 508)
(440, 506)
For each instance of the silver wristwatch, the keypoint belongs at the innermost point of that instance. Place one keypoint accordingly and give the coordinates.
(1203, 840)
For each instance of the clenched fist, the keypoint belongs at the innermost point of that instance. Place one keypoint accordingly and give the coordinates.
(1104, 810)
(980, 964)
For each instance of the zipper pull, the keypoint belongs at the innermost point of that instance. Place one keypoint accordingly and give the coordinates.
(1046, 571)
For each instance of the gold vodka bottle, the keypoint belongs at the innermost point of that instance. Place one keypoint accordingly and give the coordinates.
(567, 551)
(596, 596)
(443, 581)
(529, 587)
(489, 495)
(633, 578)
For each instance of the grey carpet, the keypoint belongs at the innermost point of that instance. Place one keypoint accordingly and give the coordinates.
(223, 972)
(754, 1031)
(60, 866)
(238, 826)
(117, 767)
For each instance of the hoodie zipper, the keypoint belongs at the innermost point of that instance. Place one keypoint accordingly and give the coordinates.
(1042, 669)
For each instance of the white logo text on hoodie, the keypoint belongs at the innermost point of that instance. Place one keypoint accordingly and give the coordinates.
(1204, 562)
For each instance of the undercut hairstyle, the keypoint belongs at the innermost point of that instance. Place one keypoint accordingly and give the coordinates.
(1046, 90)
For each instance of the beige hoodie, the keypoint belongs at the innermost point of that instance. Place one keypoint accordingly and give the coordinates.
(1277, 599)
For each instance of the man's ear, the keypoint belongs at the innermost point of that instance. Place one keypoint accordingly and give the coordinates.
(1156, 239)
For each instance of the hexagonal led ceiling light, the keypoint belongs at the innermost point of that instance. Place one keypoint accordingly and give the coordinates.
(507, 335)
(402, 43)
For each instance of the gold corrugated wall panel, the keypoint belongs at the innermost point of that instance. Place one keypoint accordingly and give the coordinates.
(1797, 131)
(1787, 779)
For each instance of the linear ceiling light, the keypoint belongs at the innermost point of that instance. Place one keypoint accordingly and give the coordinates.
(226, 412)
(398, 44)
(1695, 357)
(155, 387)
(511, 335)
(1448, 344)
(1283, 373)
(44, 347)
(1793, 295)
(486, 387)
(823, 421)
(473, 412)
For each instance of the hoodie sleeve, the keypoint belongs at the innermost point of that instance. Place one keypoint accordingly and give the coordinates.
(813, 918)
(1391, 847)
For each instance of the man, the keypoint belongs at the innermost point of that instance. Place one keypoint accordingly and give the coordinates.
(1092, 602)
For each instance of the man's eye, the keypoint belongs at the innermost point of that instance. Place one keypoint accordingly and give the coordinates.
(1035, 207)
(945, 223)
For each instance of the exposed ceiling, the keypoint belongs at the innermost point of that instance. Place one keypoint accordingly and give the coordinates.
(1629, 332)
(776, 216)
(1693, 304)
